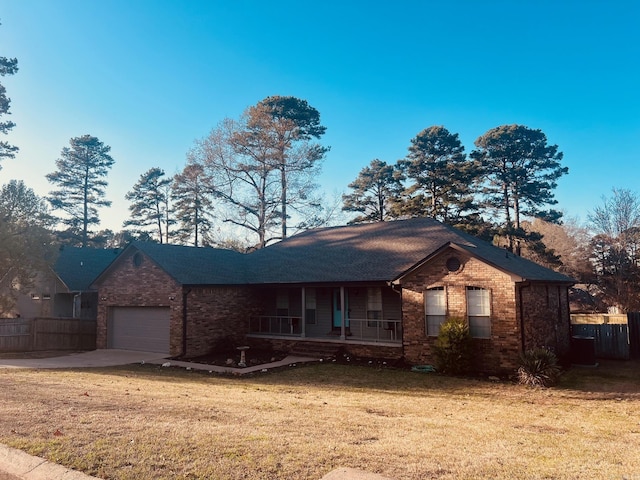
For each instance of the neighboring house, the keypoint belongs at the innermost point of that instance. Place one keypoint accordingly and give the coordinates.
(63, 291)
(379, 289)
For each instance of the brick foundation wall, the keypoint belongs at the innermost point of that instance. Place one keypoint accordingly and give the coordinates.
(499, 353)
(357, 350)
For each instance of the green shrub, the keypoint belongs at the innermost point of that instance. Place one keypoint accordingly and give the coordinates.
(538, 368)
(453, 348)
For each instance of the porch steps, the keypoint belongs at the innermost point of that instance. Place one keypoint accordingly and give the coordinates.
(315, 350)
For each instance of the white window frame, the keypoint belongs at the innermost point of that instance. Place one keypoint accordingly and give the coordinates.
(435, 310)
(479, 312)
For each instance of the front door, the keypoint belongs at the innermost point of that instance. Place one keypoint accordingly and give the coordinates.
(337, 309)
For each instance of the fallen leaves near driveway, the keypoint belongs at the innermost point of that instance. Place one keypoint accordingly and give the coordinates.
(146, 422)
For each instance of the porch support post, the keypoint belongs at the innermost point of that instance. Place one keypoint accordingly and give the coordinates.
(303, 317)
(343, 330)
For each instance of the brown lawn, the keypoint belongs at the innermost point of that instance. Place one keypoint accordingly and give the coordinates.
(146, 422)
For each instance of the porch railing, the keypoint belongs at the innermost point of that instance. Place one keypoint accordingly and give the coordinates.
(276, 325)
(375, 330)
(357, 329)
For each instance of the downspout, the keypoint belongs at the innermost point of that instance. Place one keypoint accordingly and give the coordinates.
(522, 335)
(303, 319)
(567, 310)
(393, 286)
(343, 329)
(185, 294)
(74, 313)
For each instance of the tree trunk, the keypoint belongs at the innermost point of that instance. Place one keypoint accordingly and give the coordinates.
(196, 220)
(283, 198)
(434, 202)
(507, 214)
(262, 214)
(516, 215)
(85, 212)
(159, 217)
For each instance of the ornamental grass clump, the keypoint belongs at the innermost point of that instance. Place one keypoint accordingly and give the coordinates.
(538, 368)
(453, 347)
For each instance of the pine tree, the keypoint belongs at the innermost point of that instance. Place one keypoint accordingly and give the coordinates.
(193, 207)
(8, 66)
(26, 242)
(286, 126)
(375, 192)
(81, 183)
(150, 203)
(440, 176)
(520, 171)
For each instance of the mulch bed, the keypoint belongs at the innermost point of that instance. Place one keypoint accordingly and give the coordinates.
(231, 358)
(256, 356)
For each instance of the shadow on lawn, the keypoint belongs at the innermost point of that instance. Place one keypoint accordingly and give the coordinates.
(610, 377)
(328, 374)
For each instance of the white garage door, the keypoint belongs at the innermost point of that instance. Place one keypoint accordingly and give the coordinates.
(140, 328)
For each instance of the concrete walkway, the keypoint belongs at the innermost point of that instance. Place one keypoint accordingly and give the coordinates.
(345, 473)
(94, 358)
(264, 367)
(112, 358)
(17, 465)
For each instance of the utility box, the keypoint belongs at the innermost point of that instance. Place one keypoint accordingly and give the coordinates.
(583, 350)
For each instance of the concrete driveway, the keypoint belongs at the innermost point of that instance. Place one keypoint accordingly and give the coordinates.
(95, 358)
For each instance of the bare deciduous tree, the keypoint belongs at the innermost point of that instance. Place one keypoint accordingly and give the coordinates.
(262, 166)
(615, 249)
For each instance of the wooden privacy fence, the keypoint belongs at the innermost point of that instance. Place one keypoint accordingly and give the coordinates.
(599, 318)
(25, 335)
(611, 340)
(634, 334)
(615, 336)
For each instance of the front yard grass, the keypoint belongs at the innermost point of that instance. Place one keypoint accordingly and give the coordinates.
(147, 422)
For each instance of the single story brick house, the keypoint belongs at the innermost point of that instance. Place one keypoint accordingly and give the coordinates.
(377, 289)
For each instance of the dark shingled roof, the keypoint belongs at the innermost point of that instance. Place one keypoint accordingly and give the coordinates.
(372, 252)
(197, 265)
(79, 267)
(382, 251)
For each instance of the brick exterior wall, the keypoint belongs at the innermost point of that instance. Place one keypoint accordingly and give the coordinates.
(498, 353)
(214, 314)
(545, 308)
(354, 349)
(218, 317)
(143, 285)
(542, 308)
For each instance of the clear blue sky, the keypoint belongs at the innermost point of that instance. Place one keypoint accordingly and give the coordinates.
(148, 77)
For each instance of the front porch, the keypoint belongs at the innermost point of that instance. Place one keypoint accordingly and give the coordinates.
(355, 330)
(372, 314)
